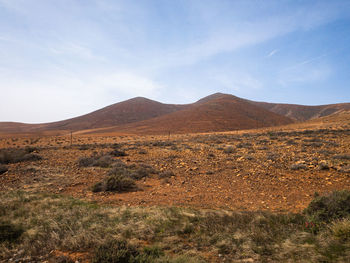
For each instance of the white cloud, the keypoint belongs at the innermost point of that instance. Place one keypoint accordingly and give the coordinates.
(273, 52)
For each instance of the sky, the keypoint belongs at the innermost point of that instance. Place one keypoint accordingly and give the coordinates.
(61, 59)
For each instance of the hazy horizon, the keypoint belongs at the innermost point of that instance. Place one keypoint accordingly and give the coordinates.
(63, 59)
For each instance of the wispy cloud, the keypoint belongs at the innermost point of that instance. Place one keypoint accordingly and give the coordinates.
(273, 52)
(304, 62)
(230, 39)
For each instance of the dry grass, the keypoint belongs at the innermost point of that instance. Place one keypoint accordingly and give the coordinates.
(51, 222)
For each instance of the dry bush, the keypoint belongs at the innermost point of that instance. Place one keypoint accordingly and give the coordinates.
(116, 183)
(229, 149)
(117, 153)
(298, 166)
(341, 229)
(10, 232)
(15, 155)
(341, 157)
(121, 177)
(330, 207)
(3, 169)
(165, 174)
(103, 161)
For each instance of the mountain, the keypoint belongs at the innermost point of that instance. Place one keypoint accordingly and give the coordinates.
(129, 111)
(132, 110)
(301, 112)
(218, 112)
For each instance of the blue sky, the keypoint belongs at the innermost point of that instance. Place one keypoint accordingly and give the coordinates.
(61, 59)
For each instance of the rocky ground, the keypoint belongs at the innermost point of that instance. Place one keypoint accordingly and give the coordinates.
(271, 169)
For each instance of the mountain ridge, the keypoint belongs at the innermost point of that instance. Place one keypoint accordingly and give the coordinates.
(216, 112)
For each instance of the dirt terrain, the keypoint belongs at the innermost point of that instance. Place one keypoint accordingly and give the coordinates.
(276, 169)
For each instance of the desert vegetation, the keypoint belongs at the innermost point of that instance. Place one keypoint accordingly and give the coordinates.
(253, 196)
(38, 227)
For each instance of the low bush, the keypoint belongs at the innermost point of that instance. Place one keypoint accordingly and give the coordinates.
(116, 183)
(133, 171)
(86, 161)
(120, 251)
(117, 153)
(165, 174)
(103, 161)
(330, 207)
(15, 155)
(298, 166)
(121, 177)
(9, 232)
(323, 165)
(341, 229)
(341, 157)
(115, 251)
(162, 143)
(229, 149)
(3, 169)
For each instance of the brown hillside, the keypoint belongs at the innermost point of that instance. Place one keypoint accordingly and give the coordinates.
(301, 112)
(218, 112)
(129, 111)
(133, 110)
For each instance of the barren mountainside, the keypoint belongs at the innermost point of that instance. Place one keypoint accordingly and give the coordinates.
(301, 112)
(217, 112)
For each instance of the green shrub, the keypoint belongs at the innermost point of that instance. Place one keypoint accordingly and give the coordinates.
(327, 208)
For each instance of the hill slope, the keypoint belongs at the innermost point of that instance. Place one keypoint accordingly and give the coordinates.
(129, 111)
(301, 112)
(218, 112)
(132, 110)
